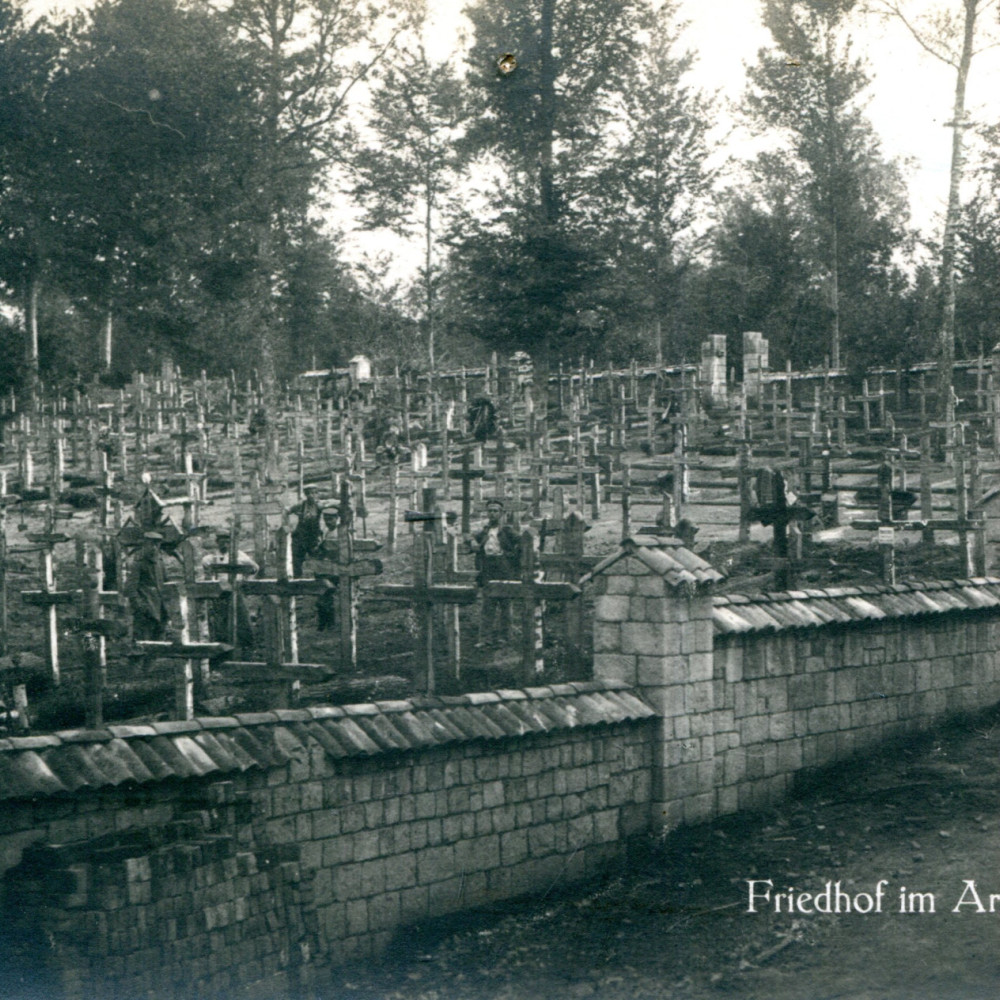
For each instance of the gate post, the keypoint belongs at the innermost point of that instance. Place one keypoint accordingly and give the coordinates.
(653, 630)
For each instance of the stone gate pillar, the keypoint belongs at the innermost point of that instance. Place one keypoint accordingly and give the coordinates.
(712, 371)
(653, 629)
(756, 361)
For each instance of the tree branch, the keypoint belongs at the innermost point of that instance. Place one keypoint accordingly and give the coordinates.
(141, 111)
(894, 10)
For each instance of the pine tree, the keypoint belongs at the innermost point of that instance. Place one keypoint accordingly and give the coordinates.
(655, 182)
(543, 77)
(811, 89)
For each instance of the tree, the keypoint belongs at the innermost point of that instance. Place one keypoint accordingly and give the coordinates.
(404, 179)
(952, 36)
(655, 179)
(543, 74)
(977, 257)
(761, 275)
(303, 59)
(151, 118)
(527, 286)
(811, 88)
(31, 166)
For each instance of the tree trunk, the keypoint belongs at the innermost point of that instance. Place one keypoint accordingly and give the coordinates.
(835, 300)
(31, 327)
(106, 339)
(547, 112)
(428, 277)
(946, 343)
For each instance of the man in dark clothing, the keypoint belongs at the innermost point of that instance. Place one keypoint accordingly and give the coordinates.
(308, 531)
(145, 590)
(498, 557)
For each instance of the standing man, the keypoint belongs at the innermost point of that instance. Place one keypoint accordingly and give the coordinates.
(145, 590)
(498, 557)
(308, 531)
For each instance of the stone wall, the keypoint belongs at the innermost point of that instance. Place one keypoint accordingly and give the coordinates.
(750, 691)
(223, 856)
(799, 700)
(204, 858)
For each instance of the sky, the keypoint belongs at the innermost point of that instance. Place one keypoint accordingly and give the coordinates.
(911, 95)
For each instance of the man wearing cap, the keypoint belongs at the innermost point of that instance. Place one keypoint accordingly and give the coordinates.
(308, 531)
(498, 557)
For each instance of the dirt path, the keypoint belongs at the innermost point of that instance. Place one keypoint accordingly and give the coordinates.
(925, 815)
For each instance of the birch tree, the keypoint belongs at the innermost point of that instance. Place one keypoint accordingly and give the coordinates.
(953, 35)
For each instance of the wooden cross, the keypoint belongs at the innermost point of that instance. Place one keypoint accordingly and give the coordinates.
(842, 413)
(280, 663)
(571, 564)
(5, 501)
(774, 510)
(926, 494)
(745, 485)
(865, 399)
(197, 592)
(346, 574)
(500, 485)
(49, 597)
(680, 462)
(532, 592)
(952, 428)
(467, 474)
(233, 569)
(195, 480)
(425, 595)
(588, 476)
(186, 652)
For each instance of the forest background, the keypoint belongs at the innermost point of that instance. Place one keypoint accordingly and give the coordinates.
(279, 184)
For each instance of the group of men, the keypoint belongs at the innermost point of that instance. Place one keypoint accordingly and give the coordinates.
(146, 586)
(496, 547)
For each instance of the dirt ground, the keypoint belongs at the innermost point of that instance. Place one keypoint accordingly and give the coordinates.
(923, 814)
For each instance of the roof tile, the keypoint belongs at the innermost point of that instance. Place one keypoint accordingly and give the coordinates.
(737, 613)
(81, 759)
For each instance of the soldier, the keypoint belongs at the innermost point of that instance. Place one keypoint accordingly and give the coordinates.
(145, 590)
(498, 556)
(308, 531)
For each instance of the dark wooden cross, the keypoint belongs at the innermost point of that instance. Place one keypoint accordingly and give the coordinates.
(773, 510)
(425, 595)
(842, 413)
(280, 664)
(5, 501)
(531, 592)
(467, 474)
(234, 570)
(950, 425)
(345, 575)
(186, 649)
(570, 563)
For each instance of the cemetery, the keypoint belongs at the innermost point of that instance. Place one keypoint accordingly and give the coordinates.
(784, 481)
(531, 621)
(480, 481)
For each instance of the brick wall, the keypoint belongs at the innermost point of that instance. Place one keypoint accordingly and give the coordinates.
(750, 691)
(309, 853)
(808, 698)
